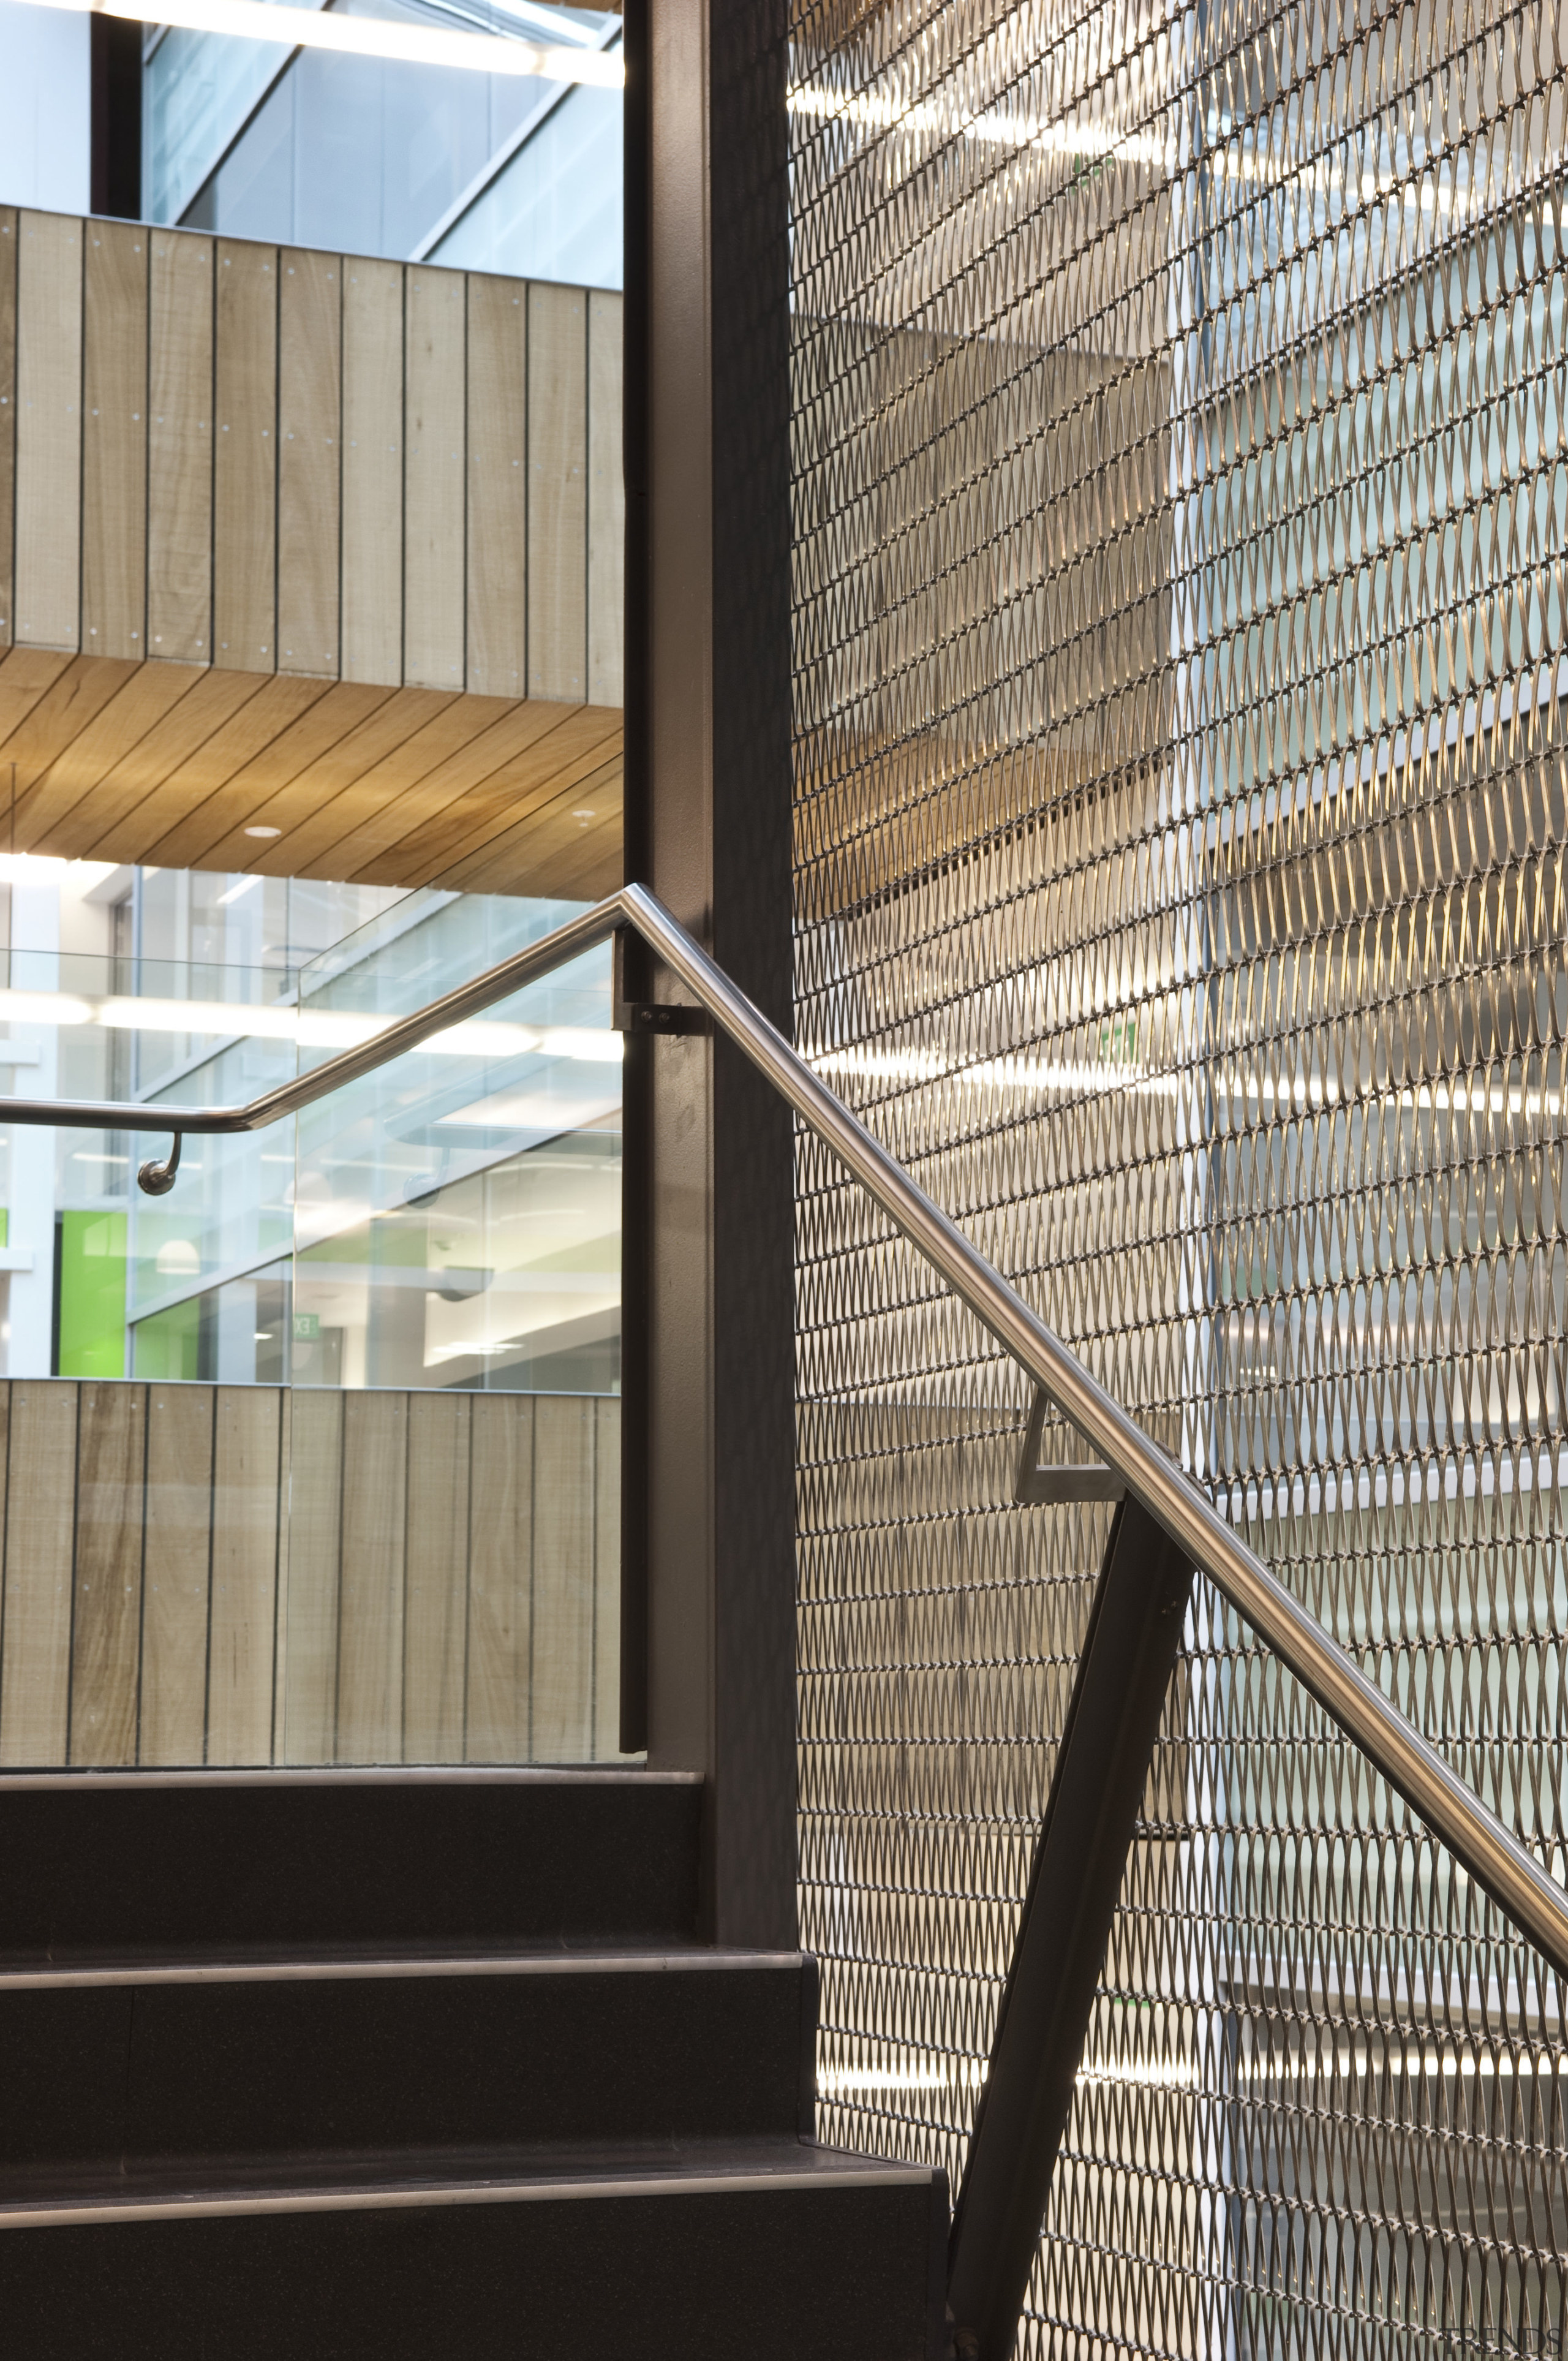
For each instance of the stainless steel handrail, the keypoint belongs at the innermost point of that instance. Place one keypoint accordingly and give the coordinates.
(1518, 1882)
(402, 1034)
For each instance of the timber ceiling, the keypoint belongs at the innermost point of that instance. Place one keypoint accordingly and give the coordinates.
(170, 764)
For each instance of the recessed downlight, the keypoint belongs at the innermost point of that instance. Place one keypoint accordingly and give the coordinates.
(264, 831)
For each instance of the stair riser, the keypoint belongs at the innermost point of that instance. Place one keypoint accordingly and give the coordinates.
(155, 1863)
(277, 2067)
(776, 2276)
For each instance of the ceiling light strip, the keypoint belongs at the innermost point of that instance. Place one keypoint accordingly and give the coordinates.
(371, 36)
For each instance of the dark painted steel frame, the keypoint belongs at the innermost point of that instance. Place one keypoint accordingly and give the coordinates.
(708, 1286)
(1101, 1770)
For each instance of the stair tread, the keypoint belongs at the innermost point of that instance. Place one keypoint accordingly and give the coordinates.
(206, 2186)
(296, 1962)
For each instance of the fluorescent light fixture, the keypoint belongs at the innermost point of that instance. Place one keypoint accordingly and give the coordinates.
(367, 36)
(245, 885)
(313, 1028)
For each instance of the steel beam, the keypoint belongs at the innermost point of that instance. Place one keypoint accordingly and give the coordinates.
(1124, 1674)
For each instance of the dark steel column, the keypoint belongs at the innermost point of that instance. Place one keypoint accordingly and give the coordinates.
(710, 782)
(1123, 1673)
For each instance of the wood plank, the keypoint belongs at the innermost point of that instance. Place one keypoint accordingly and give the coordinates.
(313, 1544)
(551, 745)
(150, 692)
(557, 493)
(440, 740)
(498, 486)
(606, 504)
(48, 431)
(606, 1580)
(106, 1637)
(211, 699)
(179, 449)
(40, 1540)
(177, 1574)
(25, 675)
(244, 458)
(8, 242)
(433, 507)
(76, 695)
(114, 440)
(373, 471)
(500, 1526)
(395, 715)
(251, 792)
(435, 799)
(547, 843)
(436, 1628)
(274, 707)
(543, 825)
(248, 1503)
(586, 872)
(561, 1689)
(310, 455)
(370, 1615)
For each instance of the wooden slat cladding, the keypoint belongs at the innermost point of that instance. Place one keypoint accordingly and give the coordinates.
(309, 457)
(498, 486)
(180, 448)
(372, 471)
(558, 493)
(417, 470)
(216, 455)
(114, 440)
(235, 1575)
(244, 458)
(48, 431)
(434, 367)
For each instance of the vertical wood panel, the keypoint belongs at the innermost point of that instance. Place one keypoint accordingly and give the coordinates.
(179, 449)
(373, 472)
(40, 1534)
(314, 1535)
(607, 505)
(8, 414)
(370, 1610)
(501, 1526)
(244, 458)
(309, 488)
(606, 1580)
(48, 431)
(557, 493)
(433, 559)
(176, 1573)
(114, 440)
(498, 486)
(247, 1504)
(561, 1684)
(435, 1633)
(106, 1639)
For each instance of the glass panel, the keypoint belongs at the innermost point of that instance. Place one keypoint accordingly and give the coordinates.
(553, 211)
(455, 1567)
(315, 1458)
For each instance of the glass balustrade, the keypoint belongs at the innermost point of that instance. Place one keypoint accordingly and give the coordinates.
(315, 1459)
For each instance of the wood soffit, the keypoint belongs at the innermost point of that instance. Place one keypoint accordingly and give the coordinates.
(170, 764)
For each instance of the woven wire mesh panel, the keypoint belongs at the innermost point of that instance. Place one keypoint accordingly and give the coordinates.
(1180, 513)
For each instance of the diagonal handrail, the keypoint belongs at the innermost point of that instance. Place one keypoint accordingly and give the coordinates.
(1515, 1882)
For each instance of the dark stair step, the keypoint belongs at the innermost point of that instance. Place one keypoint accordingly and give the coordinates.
(214, 2058)
(779, 2251)
(159, 1861)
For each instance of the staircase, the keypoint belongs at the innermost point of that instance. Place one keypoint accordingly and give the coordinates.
(417, 2063)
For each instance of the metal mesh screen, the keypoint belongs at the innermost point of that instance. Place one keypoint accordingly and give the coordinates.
(1181, 508)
